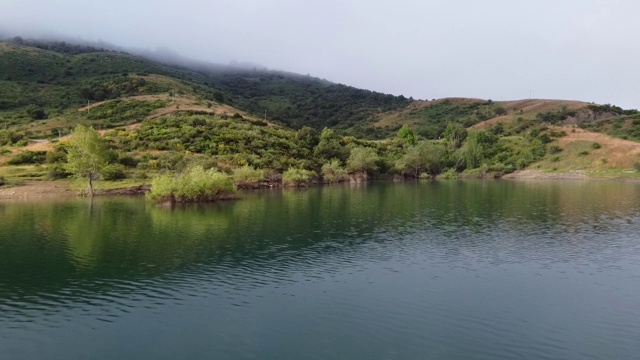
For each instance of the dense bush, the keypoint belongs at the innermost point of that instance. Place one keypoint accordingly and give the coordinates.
(297, 177)
(333, 172)
(247, 176)
(113, 172)
(554, 149)
(28, 157)
(58, 171)
(193, 185)
(362, 160)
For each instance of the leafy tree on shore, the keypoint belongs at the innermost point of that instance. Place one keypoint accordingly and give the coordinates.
(87, 154)
(362, 160)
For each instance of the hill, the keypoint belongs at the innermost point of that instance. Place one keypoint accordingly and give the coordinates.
(159, 117)
(52, 77)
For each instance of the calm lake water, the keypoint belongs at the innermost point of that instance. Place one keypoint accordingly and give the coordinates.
(442, 270)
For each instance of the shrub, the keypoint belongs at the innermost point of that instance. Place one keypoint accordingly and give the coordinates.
(362, 160)
(58, 171)
(296, 177)
(113, 172)
(195, 184)
(2, 182)
(128, 161)
(56, 156)
(333, 172)
(583, 153)
(247, 176)
(35, 112)
(28, 157)
(595, 146)
(555, 149)
(636, 167)
(450, 174)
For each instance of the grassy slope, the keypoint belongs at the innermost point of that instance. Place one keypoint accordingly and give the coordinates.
(596, 153)
(475, 113)
(615, 156)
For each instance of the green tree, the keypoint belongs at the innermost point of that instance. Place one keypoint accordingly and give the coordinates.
(407, 135)
(412, 162)
(329, 147)
(87, 154)
(424, 157)
(35, 112)
(476, 146)
(362, 160)
(454, 135)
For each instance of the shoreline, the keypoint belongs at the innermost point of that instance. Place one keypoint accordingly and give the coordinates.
(51, 189)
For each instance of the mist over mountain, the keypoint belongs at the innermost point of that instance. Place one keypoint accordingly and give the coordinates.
(492, 50)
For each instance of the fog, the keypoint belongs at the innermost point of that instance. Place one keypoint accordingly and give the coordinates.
(495, 49)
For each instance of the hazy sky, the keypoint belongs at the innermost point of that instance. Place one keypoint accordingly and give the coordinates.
(493, 49)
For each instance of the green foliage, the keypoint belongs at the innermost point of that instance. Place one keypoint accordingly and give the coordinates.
(477, 147)
(454, 135)
(193, 185)
(58, 171)
(624, 127)
(596, 146)
(435, 118)
(113, 88)
(333, 172)
(406, 135)
(120, 112)
(426, 157)
(65, 75)
(35, 112)
(87, 154)
(330, 147)
(8, 137)
(450, 174)
(554, 149)
(247, 176)
(28, 157)
(237, 142)
(362, 160)
(297, 177)
(612, 109)
(555, 117)
(307, 137)
(59, 155)
(499, 111)
(113, 172)
(2, 181)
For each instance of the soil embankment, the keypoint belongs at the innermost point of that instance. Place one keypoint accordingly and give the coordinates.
(34, 190)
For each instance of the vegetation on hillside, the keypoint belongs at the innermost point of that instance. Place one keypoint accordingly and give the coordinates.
(57, 76)
(315, 131)
(624, 127)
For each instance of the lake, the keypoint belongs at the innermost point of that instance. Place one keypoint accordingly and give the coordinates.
(413, 270)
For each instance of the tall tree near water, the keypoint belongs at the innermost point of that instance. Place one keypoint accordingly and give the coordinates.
(87, 154)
